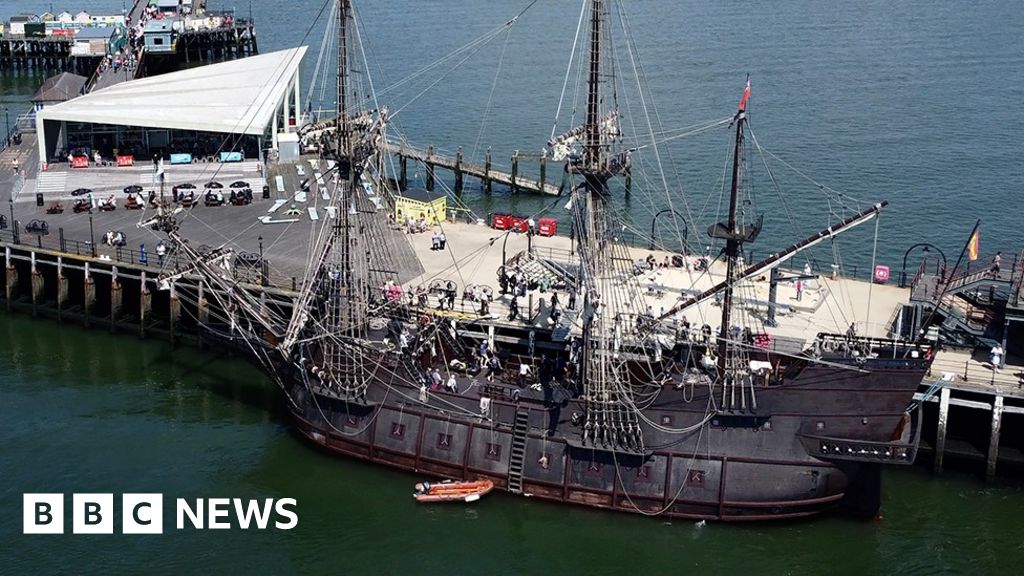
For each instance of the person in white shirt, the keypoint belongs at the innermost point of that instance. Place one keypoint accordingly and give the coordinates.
(997, 356)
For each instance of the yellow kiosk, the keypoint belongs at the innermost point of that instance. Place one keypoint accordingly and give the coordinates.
(420, 204)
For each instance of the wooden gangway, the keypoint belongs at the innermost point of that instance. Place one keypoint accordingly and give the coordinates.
(430, 159)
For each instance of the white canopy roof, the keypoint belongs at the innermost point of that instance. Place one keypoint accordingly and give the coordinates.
(236, 97)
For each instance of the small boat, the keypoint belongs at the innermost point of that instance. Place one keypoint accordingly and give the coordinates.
(452, 491)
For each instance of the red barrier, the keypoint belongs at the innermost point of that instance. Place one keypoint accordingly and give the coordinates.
(125, 160)
(547, 226)
(501, 222)
(79, 161)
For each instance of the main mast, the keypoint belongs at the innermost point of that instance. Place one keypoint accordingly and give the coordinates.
(340, 292)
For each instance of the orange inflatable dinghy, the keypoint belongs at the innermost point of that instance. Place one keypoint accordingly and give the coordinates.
(452, 491)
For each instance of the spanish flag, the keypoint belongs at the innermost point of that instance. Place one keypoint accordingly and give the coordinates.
(974, 245)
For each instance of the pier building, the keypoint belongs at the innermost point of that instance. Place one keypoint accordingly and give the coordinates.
(250, 98)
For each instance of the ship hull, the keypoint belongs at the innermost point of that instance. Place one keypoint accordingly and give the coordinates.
(742, 465)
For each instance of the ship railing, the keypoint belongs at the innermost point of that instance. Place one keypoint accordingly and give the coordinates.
(882, 346)
(1017, 279)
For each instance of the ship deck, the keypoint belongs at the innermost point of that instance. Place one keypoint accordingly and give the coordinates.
(472, 256)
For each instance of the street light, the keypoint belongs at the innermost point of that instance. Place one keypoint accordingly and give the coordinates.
(654, 221)
(926, 246)
(263, 265)
(92, 238)
(14, 225)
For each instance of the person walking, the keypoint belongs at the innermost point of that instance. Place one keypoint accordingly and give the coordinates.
(799, 290)
(997, 356)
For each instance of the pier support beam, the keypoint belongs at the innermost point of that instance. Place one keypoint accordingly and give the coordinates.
(458, 171)
(202, 306)
(145, 304)
(89, 294)
(116, 298)
(37, 286)
(993, 442)
(11, 284)
(940, 434)
(174, 313)
(515, 170)
(543, 171)
(62, 288)
(403, 170)
(487, 171)
(429, 168)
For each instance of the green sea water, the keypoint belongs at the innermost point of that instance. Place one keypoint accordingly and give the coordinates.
(85, 411)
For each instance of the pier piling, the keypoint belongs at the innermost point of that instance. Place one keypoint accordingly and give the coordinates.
(37, 286)
(88, 294)
(174, 313)
(62, 288)
(940, 434)
(11, 285)
(515, 170)
(403, 171)
(145, 305)
(458, 171)
(993, 444)
(116, 298)
(487, 171)
(429, 168)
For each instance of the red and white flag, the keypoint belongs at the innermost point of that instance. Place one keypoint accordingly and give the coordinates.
(746, 95)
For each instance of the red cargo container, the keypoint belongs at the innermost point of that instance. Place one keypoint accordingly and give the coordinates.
(502, 222)
(547, 226)
(518, 224)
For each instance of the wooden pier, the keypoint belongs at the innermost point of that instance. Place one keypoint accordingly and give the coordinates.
(53, 53)
(431, 160)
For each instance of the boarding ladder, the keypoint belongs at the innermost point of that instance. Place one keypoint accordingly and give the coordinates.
(517, 456)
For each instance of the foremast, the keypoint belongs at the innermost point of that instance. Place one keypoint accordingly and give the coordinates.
(341, 289)
(610, 421)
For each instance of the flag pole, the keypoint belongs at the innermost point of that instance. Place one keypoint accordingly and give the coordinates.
(945, 280)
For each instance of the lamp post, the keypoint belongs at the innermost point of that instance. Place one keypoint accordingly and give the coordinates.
(926, 246)
(7, 123)
(92, 238)
(654, 222)
(504, 244)
(263, 265)
(14, 226)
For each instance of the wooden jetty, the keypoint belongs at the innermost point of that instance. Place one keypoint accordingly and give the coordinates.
(431, 160)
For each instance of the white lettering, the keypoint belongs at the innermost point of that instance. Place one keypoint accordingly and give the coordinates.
(293, 518)
(253, 509)
(195, 517)
(218, 509)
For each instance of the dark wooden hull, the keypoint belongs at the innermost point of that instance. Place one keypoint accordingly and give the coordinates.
(741, 465)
